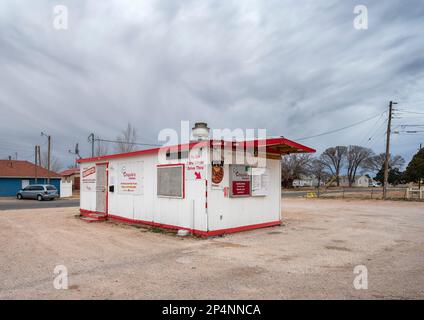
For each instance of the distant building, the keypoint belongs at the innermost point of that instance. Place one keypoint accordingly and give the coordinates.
(306, 181)
(72, 175)
(360, 181)
(17, 174)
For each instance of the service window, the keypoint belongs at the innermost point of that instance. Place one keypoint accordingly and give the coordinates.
(260, 182)
(170, 181)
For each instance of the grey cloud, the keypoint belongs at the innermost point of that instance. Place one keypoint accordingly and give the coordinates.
(296, 69)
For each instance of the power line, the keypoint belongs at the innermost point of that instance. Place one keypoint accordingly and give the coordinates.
(340, 129)
(373, 129)
(132, 143)
(377, 135)
(410, 112)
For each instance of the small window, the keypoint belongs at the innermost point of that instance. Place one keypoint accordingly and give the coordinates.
(39, 188)
(170, 181)
(176, 155)
(28, 188)
(51, 188)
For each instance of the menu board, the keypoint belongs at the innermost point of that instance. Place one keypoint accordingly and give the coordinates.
(239, 181)
(260, 182)
(88, 178)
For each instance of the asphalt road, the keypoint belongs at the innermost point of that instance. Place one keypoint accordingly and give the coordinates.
(11, 203)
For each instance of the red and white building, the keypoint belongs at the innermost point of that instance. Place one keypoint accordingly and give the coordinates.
(186, 187)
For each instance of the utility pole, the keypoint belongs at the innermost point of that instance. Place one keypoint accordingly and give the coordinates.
(386, 162)
(39, 155)
(91, 139)
(35, 164)
(49, 138)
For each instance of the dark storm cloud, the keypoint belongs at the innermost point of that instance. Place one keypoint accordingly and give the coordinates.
(296, 69)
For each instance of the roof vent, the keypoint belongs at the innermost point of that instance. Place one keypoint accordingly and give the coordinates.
(200, 131)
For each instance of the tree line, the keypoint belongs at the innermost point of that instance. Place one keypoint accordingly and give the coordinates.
(351, 160)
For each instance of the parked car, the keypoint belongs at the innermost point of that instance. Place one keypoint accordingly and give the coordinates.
(39, 192)
(375, 184)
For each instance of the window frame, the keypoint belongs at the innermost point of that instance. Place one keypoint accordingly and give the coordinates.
(182, 165)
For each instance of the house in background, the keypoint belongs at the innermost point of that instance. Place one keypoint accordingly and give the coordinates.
(306, 181)
(17, 174)
(360, 181)
(71, 175)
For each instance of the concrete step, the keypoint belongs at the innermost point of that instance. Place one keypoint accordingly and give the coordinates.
(94, 215)
(91, 219)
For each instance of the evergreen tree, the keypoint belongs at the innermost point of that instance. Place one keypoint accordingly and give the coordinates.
(415, 170)
(395, 176)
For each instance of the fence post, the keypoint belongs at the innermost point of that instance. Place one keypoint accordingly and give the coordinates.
(372, 192)
(343, 191)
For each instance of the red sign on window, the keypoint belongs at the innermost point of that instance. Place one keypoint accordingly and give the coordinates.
(241, 188)
(240, 181)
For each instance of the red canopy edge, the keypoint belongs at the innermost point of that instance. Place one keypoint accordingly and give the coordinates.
(274, 146)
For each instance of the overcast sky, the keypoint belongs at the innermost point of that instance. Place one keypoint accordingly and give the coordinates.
(296, 68)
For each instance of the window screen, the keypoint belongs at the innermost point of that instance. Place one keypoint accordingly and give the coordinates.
(170, 181)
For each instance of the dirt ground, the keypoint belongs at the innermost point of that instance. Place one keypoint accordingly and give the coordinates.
(311, 256)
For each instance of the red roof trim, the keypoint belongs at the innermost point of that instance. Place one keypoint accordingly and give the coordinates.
(269, 142)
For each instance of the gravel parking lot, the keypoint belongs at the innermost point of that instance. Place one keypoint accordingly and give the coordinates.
(311, 256)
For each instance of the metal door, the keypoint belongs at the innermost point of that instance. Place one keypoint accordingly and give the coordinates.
(101, 187)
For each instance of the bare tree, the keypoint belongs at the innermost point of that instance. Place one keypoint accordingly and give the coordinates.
(126, 139)
(101, 149)
(319, 170)
(334, 159)
(294, 165)
(377, 161)
(357, 157)
(55, 164)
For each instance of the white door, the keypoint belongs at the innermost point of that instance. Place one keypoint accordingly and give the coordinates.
(25, 183)
(101, 187)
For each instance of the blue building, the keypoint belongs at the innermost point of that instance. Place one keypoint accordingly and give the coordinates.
(17, 174)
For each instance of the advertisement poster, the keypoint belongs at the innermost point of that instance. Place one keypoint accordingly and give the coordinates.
(217, 174)
(240, 181)
(88, 178)
(196, 165)
(260, 182)
(130, 178)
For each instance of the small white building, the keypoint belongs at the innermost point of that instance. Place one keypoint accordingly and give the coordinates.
(360, 181)
(207, 187)
(306, 181)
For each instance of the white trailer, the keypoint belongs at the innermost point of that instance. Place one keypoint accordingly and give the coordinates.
(187, 187)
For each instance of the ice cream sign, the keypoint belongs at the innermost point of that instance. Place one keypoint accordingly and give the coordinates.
(129, 178)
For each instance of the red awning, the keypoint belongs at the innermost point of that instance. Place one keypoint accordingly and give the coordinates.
(275, 147)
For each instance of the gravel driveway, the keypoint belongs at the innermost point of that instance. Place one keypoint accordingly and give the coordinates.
(311, 256)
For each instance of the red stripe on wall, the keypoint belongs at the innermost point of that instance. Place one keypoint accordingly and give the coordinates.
(194, 231)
